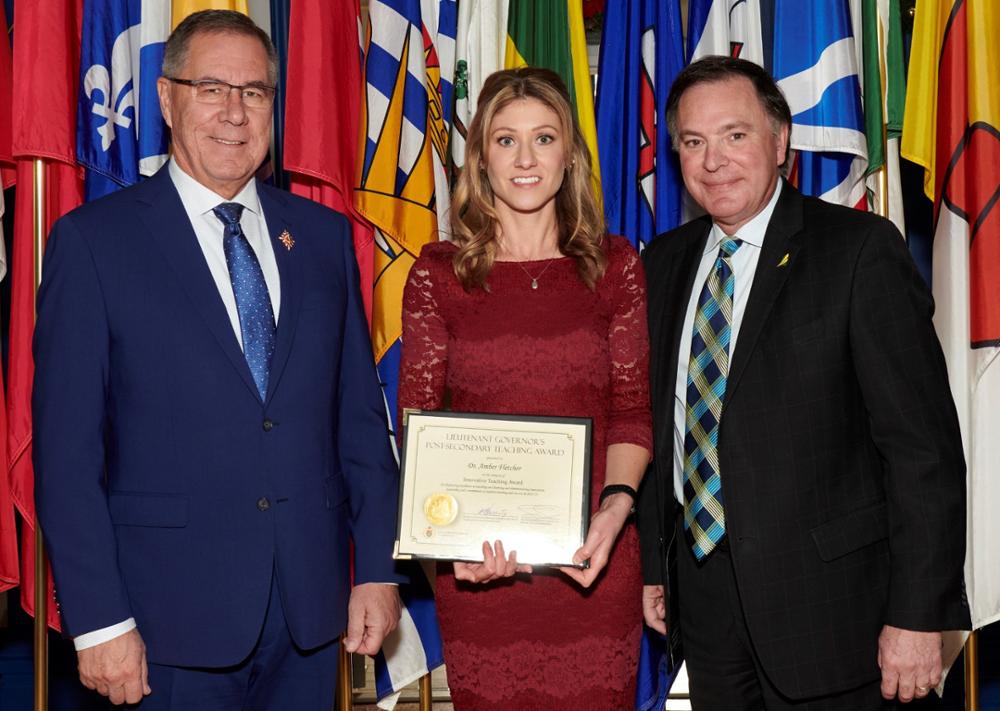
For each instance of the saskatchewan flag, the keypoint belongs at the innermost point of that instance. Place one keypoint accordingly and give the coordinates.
(549, 33)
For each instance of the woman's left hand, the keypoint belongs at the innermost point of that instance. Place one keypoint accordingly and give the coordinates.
(605, 525)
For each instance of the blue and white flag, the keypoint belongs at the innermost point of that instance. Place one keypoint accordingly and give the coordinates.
(414, 648)
(816, 67)
(120, 133)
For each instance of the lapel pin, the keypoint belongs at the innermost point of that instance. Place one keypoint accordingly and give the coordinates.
(783, 262)
(286, 239)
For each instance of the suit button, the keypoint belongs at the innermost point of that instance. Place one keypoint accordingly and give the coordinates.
(263, 504)
(268, 425)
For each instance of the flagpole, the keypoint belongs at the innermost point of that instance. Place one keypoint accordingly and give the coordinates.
(41, 583)
(426, 695)
(972, 672)
(883, 73)
(345, 702)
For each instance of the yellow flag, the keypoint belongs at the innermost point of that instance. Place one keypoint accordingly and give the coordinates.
(982, 54)
(183, 8)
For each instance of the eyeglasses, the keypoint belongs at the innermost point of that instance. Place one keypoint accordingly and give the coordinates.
(213, 91)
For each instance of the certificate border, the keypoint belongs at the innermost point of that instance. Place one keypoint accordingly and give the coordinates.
(586, 422)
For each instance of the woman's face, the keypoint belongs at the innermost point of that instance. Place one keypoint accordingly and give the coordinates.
(525, 157)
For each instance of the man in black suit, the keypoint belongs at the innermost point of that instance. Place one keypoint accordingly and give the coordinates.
(812, 484)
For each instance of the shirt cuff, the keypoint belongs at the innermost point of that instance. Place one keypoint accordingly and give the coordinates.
(105, 634)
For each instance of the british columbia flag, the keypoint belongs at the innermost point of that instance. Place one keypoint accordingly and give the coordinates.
(402, 189)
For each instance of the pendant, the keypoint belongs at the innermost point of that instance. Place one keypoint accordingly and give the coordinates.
(534, 283)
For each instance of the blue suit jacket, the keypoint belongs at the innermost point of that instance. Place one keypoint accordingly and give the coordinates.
(167, 490)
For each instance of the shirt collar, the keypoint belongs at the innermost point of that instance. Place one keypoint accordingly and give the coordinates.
(750, 233)
(199, 200)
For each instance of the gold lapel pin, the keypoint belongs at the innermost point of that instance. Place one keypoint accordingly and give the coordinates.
(286, 239)
(783, 262)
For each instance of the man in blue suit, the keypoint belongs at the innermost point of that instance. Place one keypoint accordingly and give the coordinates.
(209, 429)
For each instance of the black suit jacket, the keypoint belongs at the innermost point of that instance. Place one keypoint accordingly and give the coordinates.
(840, 454)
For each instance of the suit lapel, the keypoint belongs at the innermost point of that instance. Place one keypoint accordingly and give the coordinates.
(276, 213)
(783, 238)
(166, 220)
(672, 300)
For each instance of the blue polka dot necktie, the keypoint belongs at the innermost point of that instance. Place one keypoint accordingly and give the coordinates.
(252, 300)
(704, 512)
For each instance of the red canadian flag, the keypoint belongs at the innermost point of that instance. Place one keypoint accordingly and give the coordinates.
(323, 113)
(9, 575)
(46, 70)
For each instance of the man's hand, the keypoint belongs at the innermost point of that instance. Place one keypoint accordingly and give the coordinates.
(372, 613)
(654, 608)
(910, 662)
(116, 668)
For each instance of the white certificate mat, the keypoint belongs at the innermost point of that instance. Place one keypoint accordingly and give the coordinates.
(467, 478)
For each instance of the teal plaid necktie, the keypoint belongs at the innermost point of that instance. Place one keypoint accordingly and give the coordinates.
(252, 300)
(704, 514)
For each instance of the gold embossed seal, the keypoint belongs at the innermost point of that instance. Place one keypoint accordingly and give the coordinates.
(440, 509)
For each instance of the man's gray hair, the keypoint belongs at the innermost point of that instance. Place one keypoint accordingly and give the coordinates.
(175, 52)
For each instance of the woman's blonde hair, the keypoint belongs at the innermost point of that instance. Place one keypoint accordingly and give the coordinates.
(474, 220)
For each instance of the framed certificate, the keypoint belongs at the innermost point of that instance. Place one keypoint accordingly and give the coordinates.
(467, 478)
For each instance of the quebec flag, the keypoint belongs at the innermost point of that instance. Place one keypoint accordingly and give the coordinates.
(120, 134)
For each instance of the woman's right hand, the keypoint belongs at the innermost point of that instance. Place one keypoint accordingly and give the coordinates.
(495, 565)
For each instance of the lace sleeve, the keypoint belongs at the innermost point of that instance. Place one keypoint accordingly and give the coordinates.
(630, 417)
(424, 357)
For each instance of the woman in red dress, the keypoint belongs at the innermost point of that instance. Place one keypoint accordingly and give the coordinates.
(533, 309)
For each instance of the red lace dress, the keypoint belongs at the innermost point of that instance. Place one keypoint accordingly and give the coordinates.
(538, 641)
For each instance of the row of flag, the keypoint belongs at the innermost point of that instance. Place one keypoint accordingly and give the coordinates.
(371, 120)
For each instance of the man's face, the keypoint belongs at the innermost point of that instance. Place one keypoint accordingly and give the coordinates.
(730, 151)
(219, 145)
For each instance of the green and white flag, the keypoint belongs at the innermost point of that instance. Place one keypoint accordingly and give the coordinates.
(884, 92)
(480, 44)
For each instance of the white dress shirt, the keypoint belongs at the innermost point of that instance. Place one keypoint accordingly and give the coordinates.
(744, 262)
(198, 202)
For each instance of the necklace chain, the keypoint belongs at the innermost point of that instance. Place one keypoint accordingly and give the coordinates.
(534, 279)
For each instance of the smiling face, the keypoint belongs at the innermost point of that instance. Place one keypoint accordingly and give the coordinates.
(525, 157)
(730, 150)
(219, 145)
